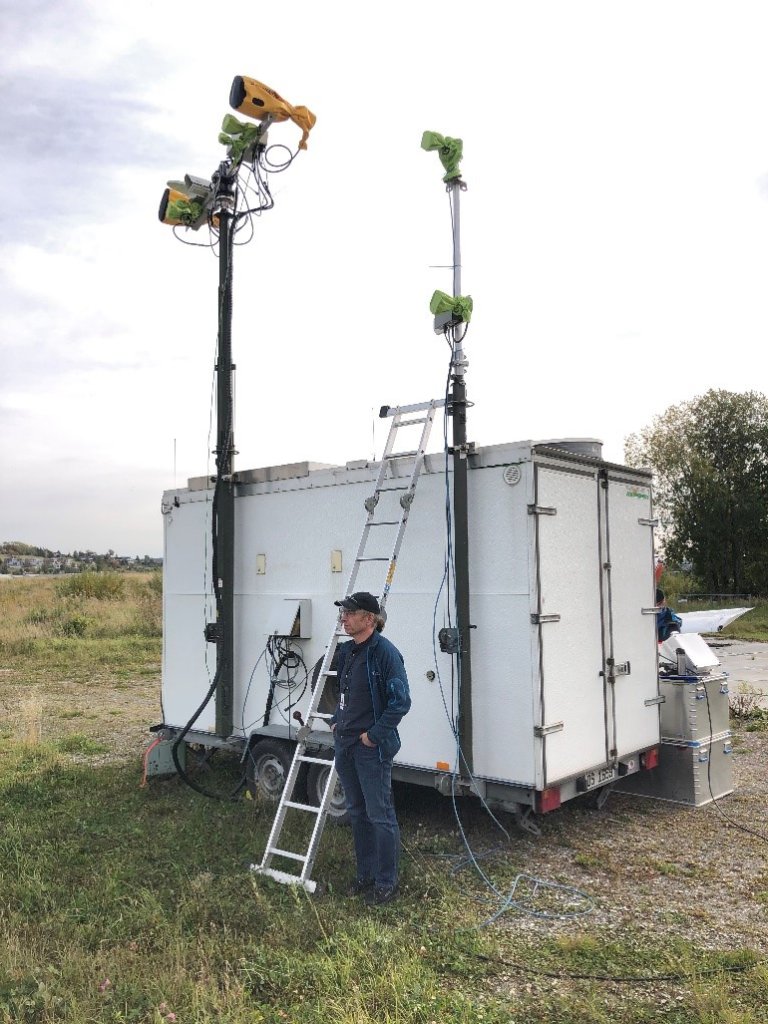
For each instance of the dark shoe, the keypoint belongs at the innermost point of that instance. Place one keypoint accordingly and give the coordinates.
(360, 886)
(378, 897)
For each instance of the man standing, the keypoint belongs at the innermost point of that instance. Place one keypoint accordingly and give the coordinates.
(373, 697)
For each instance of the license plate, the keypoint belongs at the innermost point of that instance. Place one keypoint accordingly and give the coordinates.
(599, 777)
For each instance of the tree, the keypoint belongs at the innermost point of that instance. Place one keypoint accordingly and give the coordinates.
(709, 457)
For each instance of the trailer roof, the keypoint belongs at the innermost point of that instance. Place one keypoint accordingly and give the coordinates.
(586, 451)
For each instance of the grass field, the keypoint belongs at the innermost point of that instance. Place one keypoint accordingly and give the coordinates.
(121, 902)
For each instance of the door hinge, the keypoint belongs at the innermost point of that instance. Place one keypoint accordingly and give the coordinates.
(541, 510)
(537, 619)
(648, 522)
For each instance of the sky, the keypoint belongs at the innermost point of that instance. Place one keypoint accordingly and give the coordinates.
(614, 233)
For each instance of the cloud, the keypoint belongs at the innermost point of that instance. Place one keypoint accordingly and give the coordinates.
(76, 114)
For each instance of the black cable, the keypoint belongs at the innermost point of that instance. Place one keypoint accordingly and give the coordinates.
(623, 978)
(726, 817)
(266, 202)
(243, 727)
(220, 664)
(288, 658)
(199, 245)
(276, 168)
(223, 451)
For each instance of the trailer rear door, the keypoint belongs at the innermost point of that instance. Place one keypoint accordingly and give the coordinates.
(573, 706)
(630, 634)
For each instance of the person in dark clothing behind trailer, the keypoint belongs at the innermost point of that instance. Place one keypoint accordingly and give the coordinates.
(667, 622)
(373, 697)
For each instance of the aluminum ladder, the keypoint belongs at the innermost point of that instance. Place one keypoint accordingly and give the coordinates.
(401, 417)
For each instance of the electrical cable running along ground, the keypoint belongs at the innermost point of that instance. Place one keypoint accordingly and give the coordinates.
(508, 901)
(627, 979)
(732, 821)
(645, 979)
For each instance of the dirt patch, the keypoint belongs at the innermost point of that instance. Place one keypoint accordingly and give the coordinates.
(116, 713)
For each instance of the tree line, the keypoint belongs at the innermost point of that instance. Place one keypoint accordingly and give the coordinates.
(709, 458)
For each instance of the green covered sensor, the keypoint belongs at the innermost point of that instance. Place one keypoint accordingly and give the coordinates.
(449, 150)
(238, 136)
(459, 305)
(185, 211)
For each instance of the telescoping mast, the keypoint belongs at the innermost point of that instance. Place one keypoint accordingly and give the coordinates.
(226, 204)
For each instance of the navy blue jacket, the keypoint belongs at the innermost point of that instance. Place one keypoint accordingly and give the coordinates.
(667, 623)
(390, 695)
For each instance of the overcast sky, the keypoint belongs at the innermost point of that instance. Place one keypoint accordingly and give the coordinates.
(614, 233)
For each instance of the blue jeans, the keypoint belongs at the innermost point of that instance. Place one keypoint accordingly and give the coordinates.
(367, 783)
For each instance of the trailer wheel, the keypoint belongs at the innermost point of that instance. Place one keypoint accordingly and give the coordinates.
(269, 762)
(317, 776)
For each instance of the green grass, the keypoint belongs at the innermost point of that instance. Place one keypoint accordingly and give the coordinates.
(121, 903)
(118, 901)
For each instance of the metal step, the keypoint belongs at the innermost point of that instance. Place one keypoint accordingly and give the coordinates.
(403, 410)
(277, 852)
(285, 877)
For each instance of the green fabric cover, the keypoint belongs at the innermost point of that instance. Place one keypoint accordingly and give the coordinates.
(238, 136)
(459, 305)
(449, 150)
(185, 210)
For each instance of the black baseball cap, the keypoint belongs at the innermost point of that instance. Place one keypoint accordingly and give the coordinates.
(361, 601)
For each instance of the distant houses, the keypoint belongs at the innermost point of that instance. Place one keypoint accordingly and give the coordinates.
(16, 561)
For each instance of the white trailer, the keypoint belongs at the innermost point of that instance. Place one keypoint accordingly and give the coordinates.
(565, 689)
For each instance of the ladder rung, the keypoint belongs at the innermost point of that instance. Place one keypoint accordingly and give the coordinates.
(285, 878)
(385, 522)
(411, 423)
(301, 807)
(402, 455)
(286, 853)
(393, 410)
(312, 760)
(316, 714)
(377, 558)
(384, 490)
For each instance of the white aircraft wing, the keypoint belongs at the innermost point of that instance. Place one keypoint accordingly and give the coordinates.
(710, 621)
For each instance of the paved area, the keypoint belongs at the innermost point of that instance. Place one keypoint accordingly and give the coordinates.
(745, 661)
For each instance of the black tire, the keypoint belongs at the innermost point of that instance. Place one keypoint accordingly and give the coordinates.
(316, 779)
(269, 762)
